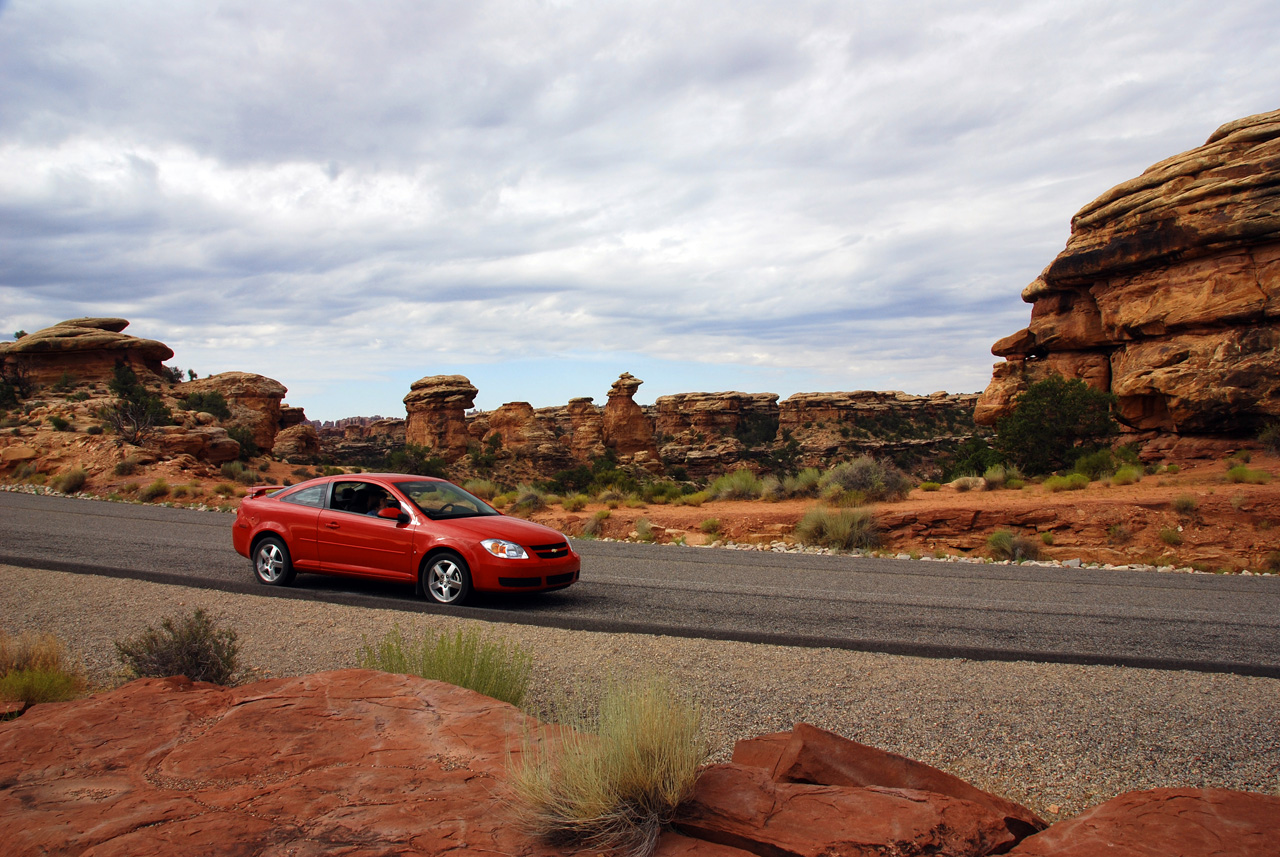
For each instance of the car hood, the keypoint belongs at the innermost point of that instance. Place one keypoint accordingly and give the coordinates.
(499, 527)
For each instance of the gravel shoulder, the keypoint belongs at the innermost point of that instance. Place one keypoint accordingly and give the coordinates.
(1050, 736)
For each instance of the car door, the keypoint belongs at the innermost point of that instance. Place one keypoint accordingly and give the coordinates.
(351, 541)
(298, 513)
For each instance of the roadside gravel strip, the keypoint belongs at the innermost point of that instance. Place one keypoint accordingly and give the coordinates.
(1052, 736)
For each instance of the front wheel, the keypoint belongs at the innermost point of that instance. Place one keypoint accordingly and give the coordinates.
(271, 562)
(446, 579)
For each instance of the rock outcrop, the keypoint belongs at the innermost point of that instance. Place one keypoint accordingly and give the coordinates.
(437, 408)
(298, 444)
(709, 433)
(628, 431)
(255, 402)
(86, 349)
(361, 763)
(1167, 294)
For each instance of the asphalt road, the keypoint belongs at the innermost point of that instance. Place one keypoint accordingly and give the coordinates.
(1173, 621)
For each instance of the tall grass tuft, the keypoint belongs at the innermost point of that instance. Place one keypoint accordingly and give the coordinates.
(841, 529)
(72, 481)
(493, 667)
(191, 645)
(741, 484)
(1006, 545)
(613, 783)
(867, 478)
(34, 668)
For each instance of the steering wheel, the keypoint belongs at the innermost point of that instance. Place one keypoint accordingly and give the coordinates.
(448, 507)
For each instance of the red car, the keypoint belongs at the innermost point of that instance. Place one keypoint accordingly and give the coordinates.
(394, 526)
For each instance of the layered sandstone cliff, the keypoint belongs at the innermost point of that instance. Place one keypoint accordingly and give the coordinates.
(85, 349)
(1167, 294)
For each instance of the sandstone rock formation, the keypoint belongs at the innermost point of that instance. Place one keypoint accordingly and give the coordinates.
(1167, 294)
(708, 433)
(204, 443)
(298, 444)
(628, 431)
(437, 408)
(254, 401)
(361, 763)
(86, 349)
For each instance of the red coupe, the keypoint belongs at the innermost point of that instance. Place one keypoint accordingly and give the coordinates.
(394, 526)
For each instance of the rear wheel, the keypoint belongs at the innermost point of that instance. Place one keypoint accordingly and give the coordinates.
(446, 579)
(271, 562)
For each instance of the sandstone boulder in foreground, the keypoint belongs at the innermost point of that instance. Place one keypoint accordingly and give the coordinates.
(357, 762)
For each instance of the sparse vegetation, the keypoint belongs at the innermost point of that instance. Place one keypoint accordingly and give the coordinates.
(154, 491)
(34, 668)
(72, 481)
(741, 484)
(211, 402)
(864, 479)
(60, 423)
(1070, 482)
(644, 530)
(840, 529)
(929, 486)
(491, 666)
(1126, 475)
(1004, 545)
(136, 412)
(1185, 504)
(1243, 474)
(128, 467)
(1051, 420)
(192, 645)
(612, 784)
(1171, 536)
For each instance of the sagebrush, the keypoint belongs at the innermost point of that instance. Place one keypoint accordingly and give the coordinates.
(192, 645)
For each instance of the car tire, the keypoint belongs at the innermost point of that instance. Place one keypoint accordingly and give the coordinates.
(271, 562)
(446, 579)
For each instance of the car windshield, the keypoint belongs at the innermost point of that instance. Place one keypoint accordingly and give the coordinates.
(439, 500)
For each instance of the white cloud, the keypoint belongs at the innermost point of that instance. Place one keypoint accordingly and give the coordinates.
(817, 195)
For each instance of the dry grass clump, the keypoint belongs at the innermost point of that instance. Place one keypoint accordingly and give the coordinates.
(34, 668)
(493, 667)
(741, 484)
(191, 645)
(968, 483)
(839, 529)
(1006, 545)
(614, 782)
(1070, 482)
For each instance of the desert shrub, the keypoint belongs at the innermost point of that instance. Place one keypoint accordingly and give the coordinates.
(1119, 534)
(1126, 475)
(593, 527)
(929, 486)
(1050, 420)
(771, 489)
(128, 467)
(1047, 538)
(576, 503)
(177, 492)
(34, 668)
(613, 781)
(1070, 482)
(136, 412)
(994, 477)
(224, 489)
(211, 402)
(1003, 544)
(493, 667)
(72, 481)
(841, 529)
(644, 530)
(806, 483)
(1096, 464)
(741, 484)
(1015, 484)
(232, 470)
(528, 500)
(968, 483)
(66, 382)
(93, 430)
(1185, 504)
(192, 645)
(1269, 437)
(154, 491)
(695, 499)
(60, 423)
(1170, 536)
(872, 479)
(243, 435)
(482, 488)
(660, 493)
(1172, 469)
(1240, 473)
(31, 652)
(710, 526)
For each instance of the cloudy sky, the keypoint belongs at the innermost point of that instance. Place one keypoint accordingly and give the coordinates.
(759, 196)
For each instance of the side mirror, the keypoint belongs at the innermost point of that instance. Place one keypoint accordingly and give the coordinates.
(394, 514)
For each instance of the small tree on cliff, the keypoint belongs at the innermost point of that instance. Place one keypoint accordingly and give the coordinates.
(136, 411)
(1052, 422)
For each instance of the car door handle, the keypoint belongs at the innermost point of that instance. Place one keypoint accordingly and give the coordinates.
(333, 525)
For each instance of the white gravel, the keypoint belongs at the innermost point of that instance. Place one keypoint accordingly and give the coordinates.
(1051, 736)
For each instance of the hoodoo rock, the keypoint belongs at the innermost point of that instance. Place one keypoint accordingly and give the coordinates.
(628, 431)
(86, 349)
(1167, 294)
(254, 401)
(299, 444)
(437, 414)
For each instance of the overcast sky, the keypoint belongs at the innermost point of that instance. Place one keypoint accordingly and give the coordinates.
(757, 196)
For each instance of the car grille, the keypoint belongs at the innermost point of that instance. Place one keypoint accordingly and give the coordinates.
(557, 579)
(555, 551)
(519, 581)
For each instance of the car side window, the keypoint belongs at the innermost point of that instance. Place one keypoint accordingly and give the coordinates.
(313, 496)
(359, 498)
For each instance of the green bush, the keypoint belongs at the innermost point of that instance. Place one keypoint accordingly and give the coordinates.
(865, 476)
(1003, 544)
(528, 500)
(741, 484)
(806, 483)
(1126, 475)
(964, 484)
(192, 645)
(1070, 482)
(711, 526)
(154, 491)
(695, 499)
(128, 467)
(1185, 504)
(1269, 437)
(136, 411)
(493, 667)
(644, 530)
(1050, 420)
(615, 790)
(211, 402)
(244, 436)
(482, 488)
(1171, 536)
(576, 503)
(1096, 464)
(72, 481)
(840, 529)
(60, 423)
(929, 486)
(1240, 473)
(33, 687)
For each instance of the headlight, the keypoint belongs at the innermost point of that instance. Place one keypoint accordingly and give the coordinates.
(504, 549)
